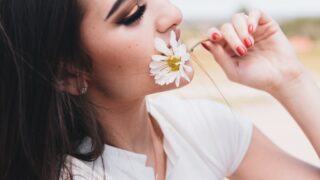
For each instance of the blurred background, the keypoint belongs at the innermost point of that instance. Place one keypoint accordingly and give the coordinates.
(299, 19)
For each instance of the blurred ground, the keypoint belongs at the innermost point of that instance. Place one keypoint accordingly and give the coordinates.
(266, 113)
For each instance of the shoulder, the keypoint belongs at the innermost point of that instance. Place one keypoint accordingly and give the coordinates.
(198, 112)
(221, 134)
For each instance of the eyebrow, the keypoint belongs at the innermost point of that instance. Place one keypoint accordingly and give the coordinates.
(115, 7)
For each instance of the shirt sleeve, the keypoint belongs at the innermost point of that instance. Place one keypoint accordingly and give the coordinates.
(230, 133)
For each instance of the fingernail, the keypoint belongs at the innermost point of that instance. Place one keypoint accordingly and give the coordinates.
(241, 50)
(215, 36)
(205, 46)
(247, 42)
(250, 28)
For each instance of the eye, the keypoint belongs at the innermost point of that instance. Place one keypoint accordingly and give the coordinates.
(135, 14)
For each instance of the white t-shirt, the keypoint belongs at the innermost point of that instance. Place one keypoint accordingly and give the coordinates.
(202, 140)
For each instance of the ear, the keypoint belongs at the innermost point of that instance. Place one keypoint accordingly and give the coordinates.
(71, 80)
(73, 85)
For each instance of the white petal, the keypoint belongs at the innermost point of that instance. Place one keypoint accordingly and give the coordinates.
(156, 64)
(184, 75)
(185, 57)
(172, 77)
(158, 82)
(183, 49)
(162, 72)
(178, 81)
(156, 71)
(168, 78)
(173, 40)
(158, 76)
(187, 68)
(162, 80)
(181, 64)
(159, 58)
(161, 46)
(165, 71)
(176, 52)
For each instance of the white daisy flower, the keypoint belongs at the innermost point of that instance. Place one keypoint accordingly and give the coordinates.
(170, 66)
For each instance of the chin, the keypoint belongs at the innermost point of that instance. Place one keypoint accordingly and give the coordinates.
(172, 86)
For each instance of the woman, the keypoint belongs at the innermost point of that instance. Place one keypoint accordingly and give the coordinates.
(74, 80)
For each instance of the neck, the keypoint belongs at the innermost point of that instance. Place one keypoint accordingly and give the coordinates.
(125, 124)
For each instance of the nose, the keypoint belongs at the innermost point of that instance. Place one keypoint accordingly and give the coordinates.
(169, 17)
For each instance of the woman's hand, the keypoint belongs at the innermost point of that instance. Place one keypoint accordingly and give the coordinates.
(252, 50)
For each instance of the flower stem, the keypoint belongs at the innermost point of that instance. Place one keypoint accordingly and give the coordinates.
(197, 44)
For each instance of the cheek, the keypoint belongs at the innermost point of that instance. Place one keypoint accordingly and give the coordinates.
(123, 58)
(120, 62)
(116, 50)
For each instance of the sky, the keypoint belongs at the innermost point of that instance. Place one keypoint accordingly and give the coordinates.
(222, 9)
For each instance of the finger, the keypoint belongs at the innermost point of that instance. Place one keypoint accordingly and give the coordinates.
(233, 39)
(214, 34)
(227, 63)
(256, 18)
(239, 22)
(225, 46)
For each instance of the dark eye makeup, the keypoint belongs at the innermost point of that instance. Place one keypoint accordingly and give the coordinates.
(137, 15)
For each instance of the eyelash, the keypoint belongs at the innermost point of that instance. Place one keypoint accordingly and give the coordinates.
(135, 17)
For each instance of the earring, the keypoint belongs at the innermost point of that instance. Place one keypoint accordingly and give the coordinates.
(82, 84)
(83, 90)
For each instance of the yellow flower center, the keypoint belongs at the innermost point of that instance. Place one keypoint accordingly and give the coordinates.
(172, 63)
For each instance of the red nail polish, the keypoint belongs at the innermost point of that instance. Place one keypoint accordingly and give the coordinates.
(250, 28)
(215, 36)
(205, 46)
(241, 50)
(247, 42)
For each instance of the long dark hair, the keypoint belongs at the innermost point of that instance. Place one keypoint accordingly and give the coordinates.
(40, 125)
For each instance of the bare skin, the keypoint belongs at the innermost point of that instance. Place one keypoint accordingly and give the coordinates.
(120, 81)
(271, 65)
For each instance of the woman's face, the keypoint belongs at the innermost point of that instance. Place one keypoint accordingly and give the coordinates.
(120, 44)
